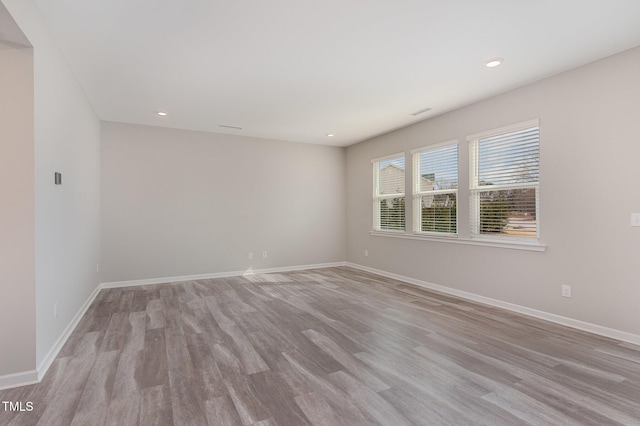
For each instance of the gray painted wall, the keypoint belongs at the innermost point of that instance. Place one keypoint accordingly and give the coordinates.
(589, 185)
(17, 248)
(182, 203)
(67, 217)
(178, 203)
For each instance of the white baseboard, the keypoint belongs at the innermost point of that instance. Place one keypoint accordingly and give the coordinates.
(117, 284)
(32, 377)
(16, 380)
(558, 319)
(53, 352)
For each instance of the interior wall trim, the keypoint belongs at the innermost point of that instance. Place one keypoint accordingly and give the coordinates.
(44, 365)
(31, 377)
(117, 284)
(557, 319)
(34, 376)
(15, 380)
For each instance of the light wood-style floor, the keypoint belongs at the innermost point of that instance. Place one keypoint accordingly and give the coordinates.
(331, 346)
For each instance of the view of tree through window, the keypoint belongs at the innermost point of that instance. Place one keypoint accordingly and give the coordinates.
(503, 186)
(504, 183)
(392, 214)
(435, 189)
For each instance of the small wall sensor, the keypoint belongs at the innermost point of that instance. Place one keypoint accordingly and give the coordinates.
(58, 178)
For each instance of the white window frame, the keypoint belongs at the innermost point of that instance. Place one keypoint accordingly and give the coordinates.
(475, 188)
(418, 193)
(378, 198)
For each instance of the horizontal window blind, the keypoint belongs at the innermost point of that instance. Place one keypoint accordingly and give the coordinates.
(435, 189)
(505, 170)
(440, 216)
(509, 158)
(388, 197)
(392, 214)
(508, 212)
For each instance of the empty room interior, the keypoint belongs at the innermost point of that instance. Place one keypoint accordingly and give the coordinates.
(320, 213)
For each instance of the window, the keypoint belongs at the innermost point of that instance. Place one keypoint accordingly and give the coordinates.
(504, 174)
(388, 193)
(435, 189)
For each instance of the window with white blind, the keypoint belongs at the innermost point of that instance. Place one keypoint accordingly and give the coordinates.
(504, 175)
(435, 189)
(388, 193)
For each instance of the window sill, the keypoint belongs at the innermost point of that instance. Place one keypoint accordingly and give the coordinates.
(513, 245)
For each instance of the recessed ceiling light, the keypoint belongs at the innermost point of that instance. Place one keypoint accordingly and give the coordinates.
(161, 113)
(493, 62)
(330, 135)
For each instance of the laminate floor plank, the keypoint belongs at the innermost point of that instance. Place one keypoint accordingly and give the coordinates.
(421, 410)
(348, 361)
(155, 317)
(453, 398)
(346, 343)
(528, 409)
(581, 409)
(317, 379)
(114, 337)
(221, 411)
(94, 403)
(248, 406)
(331, 346)
(155, 406)
(318, 411)
(17, 418)
(251, 360)
(61, 410)
(369, 402)
(44, 391)
(207, 377)
(140, 300)
(276, 395)
(124, 411)
(187, 407)
(154, 359)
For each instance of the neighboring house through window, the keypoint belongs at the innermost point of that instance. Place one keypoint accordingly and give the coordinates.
(504, 174)
(388, 193)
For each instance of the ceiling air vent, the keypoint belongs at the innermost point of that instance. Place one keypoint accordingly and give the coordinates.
(421, 111)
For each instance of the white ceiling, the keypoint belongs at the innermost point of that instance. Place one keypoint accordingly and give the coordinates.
(297, 70)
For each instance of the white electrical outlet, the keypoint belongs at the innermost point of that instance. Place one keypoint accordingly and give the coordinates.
(264, 254)
(250, 255)
(566, 291)
(635, 219)
(55, 310)
(366, 252)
